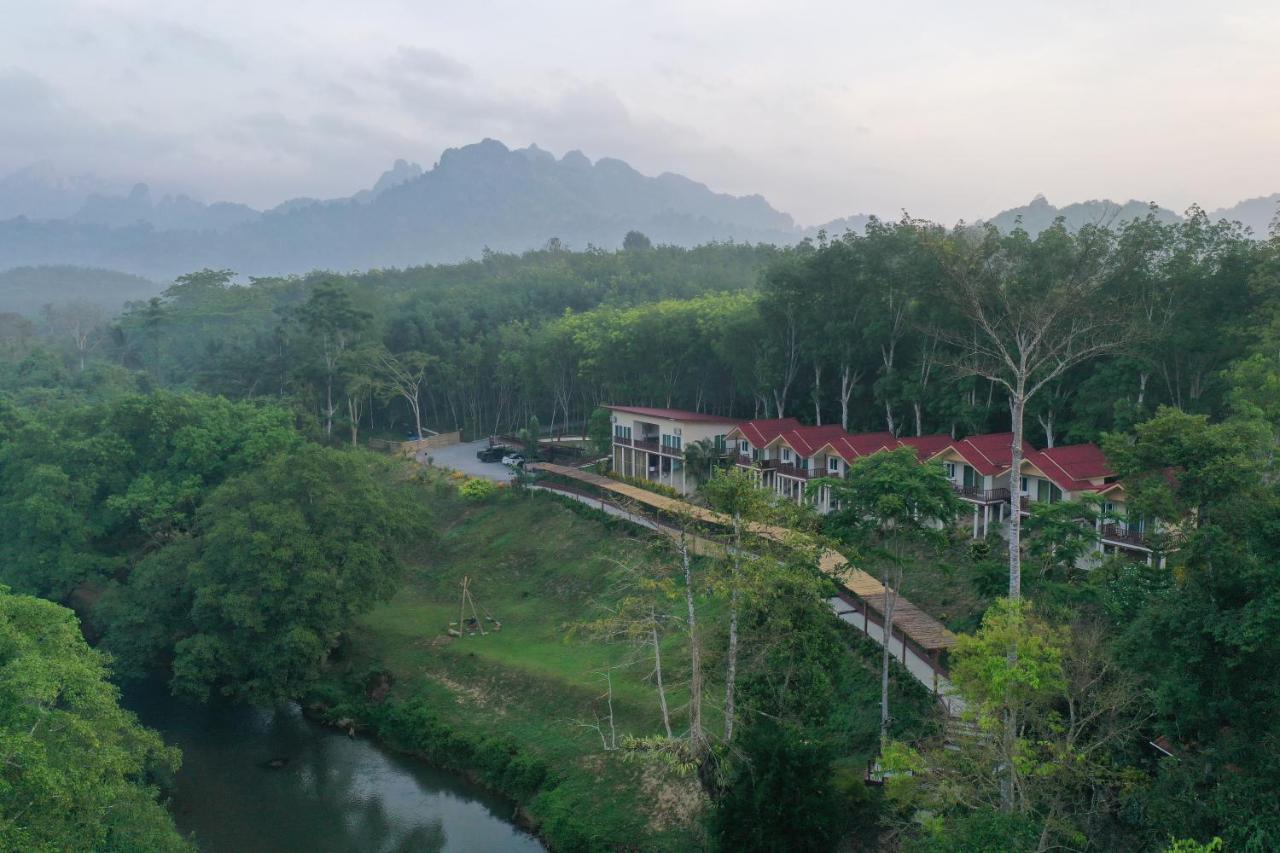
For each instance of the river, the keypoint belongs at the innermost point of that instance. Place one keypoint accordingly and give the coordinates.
(333, 794)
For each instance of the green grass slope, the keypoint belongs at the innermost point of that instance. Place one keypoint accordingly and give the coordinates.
(534, 689)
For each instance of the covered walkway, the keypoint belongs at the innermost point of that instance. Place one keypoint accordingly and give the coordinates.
(918, 640)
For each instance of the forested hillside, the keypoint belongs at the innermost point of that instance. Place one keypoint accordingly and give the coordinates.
(851, 330)
(167, 472)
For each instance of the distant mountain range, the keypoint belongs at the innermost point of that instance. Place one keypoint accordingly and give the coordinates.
(1256, 213)
(478, 197)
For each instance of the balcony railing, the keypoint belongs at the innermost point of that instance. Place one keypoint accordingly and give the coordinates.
(787, 469)
(1116, 533)
(647, 444)
(982, 496)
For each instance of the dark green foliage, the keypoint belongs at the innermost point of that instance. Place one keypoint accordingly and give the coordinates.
(82, 486)
(781, 796)
(279, 562)
(982, 831)
(79, 771)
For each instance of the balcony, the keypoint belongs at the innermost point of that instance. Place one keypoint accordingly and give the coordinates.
(649, 444)
(787, 469)
(981, 496)
(1118, 535)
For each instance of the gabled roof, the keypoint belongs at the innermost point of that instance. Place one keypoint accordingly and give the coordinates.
(673, 414)
(761, 431)
(927, 446)
(851, 447)
(1073, 468)
(988, 454)
(808, 440)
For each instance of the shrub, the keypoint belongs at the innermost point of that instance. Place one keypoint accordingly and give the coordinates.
(478, 489)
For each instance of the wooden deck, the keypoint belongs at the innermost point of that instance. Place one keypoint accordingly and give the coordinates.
(920, 629)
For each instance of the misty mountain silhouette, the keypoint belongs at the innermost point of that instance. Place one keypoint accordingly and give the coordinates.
(477, 197)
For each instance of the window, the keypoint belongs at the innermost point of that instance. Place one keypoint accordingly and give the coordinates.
(671, 442)
(950, 469)
(718, 441)
(1047, 492)
(833, 464)
(620, 431)
(786, 454)
(803, 463)
(1022, 485)
(970, 478)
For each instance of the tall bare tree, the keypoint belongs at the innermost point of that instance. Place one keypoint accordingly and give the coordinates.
(1033, 310)
(403, 376)
(80, 321)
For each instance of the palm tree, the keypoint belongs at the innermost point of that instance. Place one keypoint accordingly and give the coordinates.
(700, 458)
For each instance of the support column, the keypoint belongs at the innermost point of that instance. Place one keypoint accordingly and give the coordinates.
(975, 521)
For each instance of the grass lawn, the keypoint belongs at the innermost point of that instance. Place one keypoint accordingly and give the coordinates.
(541, 568)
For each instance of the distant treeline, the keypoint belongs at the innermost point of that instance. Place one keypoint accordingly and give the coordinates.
(858, 330)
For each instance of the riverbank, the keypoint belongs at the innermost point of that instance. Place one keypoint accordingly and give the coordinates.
(519, 707)
(257, 780)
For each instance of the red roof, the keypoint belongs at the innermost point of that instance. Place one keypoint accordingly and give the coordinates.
(674, 415)
(988, 454)
(808, 440)
(851, 447)
(1072, 467)
(927, 446)
(761, 431)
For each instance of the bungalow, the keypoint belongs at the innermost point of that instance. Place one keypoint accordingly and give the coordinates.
(649, 443)
(1067, 474)
(751, 443)
(1122, 531)
(978, 469)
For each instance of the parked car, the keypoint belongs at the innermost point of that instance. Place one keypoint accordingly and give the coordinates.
(492, 454)
(513, 460)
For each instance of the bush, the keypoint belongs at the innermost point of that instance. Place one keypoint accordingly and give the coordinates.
(478, 489)
(781, 795)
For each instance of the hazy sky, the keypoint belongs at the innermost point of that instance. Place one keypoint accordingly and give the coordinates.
(945, 109)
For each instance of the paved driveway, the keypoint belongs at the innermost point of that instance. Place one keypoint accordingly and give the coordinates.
(462, 457)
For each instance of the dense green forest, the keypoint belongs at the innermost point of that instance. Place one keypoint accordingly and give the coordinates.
(182, 476)
(853, 330)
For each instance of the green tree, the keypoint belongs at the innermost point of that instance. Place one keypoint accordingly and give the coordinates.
(735, 494)
(635, 241)
(332, 324)
(600, 431)
(1034, 310)
(891, 507)
(781, 796)
(1060, 535)
(78, 769)
(281, 561)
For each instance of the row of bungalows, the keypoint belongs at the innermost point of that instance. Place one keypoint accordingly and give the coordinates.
(785, 456)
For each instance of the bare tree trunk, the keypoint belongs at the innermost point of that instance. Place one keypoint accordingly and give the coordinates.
(817, 394)
(657, 671)
(1046, 423)
(890, 424)
(919, 417)
(890, 602)
(329, 408)
(696, 740)
(848, 380)
(1017, 406)
(731, 675)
